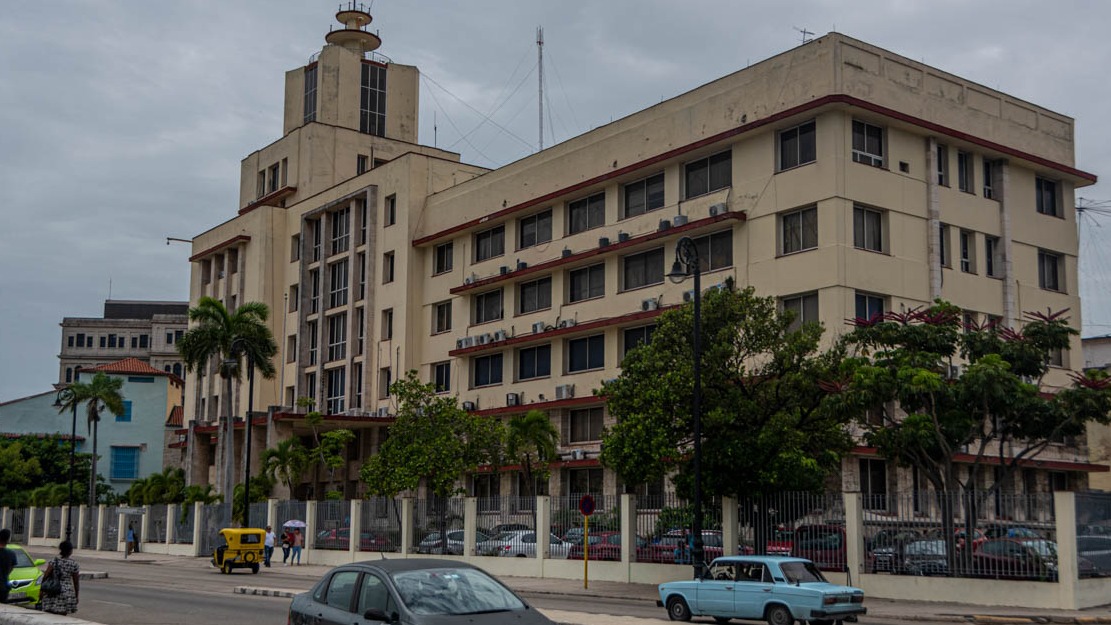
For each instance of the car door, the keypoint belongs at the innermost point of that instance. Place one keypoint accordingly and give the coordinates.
(752, 589)
(374, 594)
(715, 595)
(338, 599)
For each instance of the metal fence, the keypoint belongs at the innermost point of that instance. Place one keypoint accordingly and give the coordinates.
(156, 524)
(663, 530)
(110, 530)
(434, 517)
(258, 511)
(184, 522)
(292, 510)
(333, 525)
(994, 535)
(1093, 534)
(88, 530)
(19, 525)
(37, 523)
(214, 517)
(54, 529)
(381, 525)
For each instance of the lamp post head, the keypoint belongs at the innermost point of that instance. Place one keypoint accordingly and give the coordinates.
(678, 272)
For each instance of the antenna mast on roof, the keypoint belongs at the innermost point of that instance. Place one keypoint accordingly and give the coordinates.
(807, 36)
(540, 60)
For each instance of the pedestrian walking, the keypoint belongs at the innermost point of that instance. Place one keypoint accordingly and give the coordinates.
(268, 546)
(298, 541)
(70, 572)
(287, 542)
(7, 563)
(130, 546)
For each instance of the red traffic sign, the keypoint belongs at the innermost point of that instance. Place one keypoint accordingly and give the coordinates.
(586, 505)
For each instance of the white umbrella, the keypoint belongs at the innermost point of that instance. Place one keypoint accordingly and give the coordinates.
(294, 523)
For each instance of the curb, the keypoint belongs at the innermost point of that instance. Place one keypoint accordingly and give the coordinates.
(265, 592)
(94, 575)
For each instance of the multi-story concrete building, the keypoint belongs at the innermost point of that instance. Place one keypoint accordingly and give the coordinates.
(838, 177)
(145, 330)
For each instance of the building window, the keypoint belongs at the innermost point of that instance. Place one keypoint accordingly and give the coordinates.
(125, 416)
(989, 179)
(942, 165)
(310, 93)
(361, 164)
(868, 306)
(587, 283)
(488, 307)
(633, 337)
(586, 353)
(69, 340)
(317, 233)
(964, 171)
(441, 317)
(534, 295)
(943, 245)
(387, 267)
(968, 251)
(441, 376)
(291, 348)
(487, 370)
(1056, 357)
(337, 337)
(387, 324)
(867, 144)
(584, 481)
(586, 425)
(708, 174)
(992, 259)
(488, 489)
(337, 284)
(1047, 197)
(867, 229)
(103, 341)
(360, 258)
(124, 463)
(360, 209)
(115, 342)
(310, 327)
(274, 171)
(357, 380)
(643, 269)
(372, 100)
(295, 248)
(341, 230)
(360, 331)
(389, 211)
(310, 387)
(587, 213)
(799, 230)
(805, 308)
(260, 185)
(336, 380)
(798, 145)
(294, 298)
(1049, 270)
(644, 196)
(534, 362)
(534, 229)
(385, 380)
(489, 243)
(715, 251)
(444, 257)
(873, 483)
(69, 375)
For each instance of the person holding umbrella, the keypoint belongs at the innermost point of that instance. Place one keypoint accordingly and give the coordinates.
(291, 546)
(287, 541)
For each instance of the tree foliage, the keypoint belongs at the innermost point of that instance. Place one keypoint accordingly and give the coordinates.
(285, 462)
(158, 488)
(763, 426)
(100, 393)
(531, 442)
(433, 441)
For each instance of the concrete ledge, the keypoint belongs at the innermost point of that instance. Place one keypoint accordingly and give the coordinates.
(94, 575)
(266, 592)
(15, 615)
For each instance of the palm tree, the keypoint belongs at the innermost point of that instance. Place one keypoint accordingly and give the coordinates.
(286, 462)
(165, 487)
(531, 442)
(102, 392)
(223, 336)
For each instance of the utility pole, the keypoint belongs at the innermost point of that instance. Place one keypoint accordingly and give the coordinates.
(540, 58)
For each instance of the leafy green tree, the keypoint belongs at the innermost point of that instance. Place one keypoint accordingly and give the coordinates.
(923, 415)
(17, 473)
(260, 492)
(222, 337)
(98, 394)
(432, 442)
(285, 462)
(763, 427)
(198, 493)
(531, 442)
(328, 447)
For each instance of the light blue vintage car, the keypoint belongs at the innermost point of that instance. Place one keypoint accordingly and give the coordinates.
(778, 590)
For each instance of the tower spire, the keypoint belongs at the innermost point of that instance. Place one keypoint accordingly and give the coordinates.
(540, 59)
(354, 36)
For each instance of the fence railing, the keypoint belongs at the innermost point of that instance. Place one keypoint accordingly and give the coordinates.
(54, 530)
(333, 525)
(435, 517)
(380, 521)
(184, 522)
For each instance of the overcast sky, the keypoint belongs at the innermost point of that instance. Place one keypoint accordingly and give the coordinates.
(123, 122)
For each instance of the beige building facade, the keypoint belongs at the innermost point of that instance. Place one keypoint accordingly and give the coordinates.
(838, 177)
(146, 330)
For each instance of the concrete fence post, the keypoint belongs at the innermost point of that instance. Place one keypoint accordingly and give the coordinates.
(628, 528)
(121, 531)
(310, 531)
(171, 526)
(730, 541)
(470, 527)
(543, 527)
(198, 527)
(82, 518)
(46, 517)
(1068, 560)
(99, 542)
(356, 528)
(854, 536)
(6, 517)
(144, 526)
(30, 523)
(406, 525)
(272, 514)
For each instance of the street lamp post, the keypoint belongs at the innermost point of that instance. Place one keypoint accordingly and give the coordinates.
(67, 393)
(688, 263)
(246, 430)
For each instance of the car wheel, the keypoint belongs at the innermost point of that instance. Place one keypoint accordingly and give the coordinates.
(678, 610)
(226, 569)
(779, 615)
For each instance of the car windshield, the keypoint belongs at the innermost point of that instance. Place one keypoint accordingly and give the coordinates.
(454, 591)
(926, 548)
(801, 572)
(1044, 548)
(21, 559)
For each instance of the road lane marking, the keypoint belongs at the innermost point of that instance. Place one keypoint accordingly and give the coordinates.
(125, 605)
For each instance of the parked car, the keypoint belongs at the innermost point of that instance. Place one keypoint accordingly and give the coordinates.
(822, 544)
(340, 538)
(506, 527)
(924, 557)
(603, 546)
(1023, 558)
(674, 547)
(1097, 550)
(886, 549)
(26, 578)
(776, 589)
(411, 591)
(781, 542)
(433, 544)
(961, 537)
(999, 530)
(521, 544)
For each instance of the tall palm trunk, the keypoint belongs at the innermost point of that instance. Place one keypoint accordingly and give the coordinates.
(229, 448)
(92, 471)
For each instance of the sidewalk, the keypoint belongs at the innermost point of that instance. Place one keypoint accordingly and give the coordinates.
(878, 609)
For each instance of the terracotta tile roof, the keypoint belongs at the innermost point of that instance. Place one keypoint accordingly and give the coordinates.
(132, 366)
(176, 418)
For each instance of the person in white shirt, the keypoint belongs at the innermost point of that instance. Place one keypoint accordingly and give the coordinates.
(268, 546)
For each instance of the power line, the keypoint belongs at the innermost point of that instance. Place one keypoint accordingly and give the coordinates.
(477, 112)
(452, 122)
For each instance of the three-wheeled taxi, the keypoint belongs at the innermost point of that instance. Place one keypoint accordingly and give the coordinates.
(242, 548)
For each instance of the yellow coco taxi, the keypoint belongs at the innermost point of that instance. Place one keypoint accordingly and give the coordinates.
(242, 549)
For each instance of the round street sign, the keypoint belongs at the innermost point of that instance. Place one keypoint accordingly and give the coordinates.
(586, 505)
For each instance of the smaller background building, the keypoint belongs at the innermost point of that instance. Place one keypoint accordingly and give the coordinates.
(145, 330)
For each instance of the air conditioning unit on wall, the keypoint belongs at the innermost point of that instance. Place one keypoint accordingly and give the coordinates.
(383, 412)
(512, 399)
(565, 391)
(718, 209)
(688, 296)
(500, 335)
(538, 327)
(649, 304)
(577, 454)
(567, 323)
(679, 220)
(470, 406)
